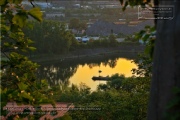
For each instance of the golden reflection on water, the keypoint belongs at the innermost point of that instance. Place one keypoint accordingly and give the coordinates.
(84, 73)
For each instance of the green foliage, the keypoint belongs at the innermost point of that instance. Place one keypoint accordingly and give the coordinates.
(112, 39)
(51, 37)
(98, 43)
(103, 42)
(18, 80)
(144, 60)
(75, 23)
(131, 38)
(121, 35)
(126, 102)
(35, 13)
(144, 63)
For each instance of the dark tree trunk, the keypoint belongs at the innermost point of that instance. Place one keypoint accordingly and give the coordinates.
(166, 63)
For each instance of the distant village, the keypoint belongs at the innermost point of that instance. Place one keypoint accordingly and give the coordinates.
(101, 18)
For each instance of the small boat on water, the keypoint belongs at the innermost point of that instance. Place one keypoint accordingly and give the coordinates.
(101, 78)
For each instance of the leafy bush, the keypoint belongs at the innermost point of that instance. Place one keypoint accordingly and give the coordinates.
(122, 98)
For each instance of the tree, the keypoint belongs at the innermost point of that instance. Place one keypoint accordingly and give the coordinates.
(18, 80)
(82, 25)
(112, 40)
(74, 23)
(166, 63)
(144, 60)
(51, 37)
(125, 101)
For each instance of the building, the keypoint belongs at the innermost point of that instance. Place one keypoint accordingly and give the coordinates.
(52, 15)
(104, 28)
(85, 39)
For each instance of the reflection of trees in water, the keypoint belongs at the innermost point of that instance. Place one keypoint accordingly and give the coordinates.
(56, 73)
(60, 72)
(91, 65)
(111, 62)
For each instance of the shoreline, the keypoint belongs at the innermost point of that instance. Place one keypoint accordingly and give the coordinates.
(82, 53)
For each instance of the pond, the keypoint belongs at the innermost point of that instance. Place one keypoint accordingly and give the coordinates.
(81, 70)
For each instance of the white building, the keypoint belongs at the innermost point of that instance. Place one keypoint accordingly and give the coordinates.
(85, 39)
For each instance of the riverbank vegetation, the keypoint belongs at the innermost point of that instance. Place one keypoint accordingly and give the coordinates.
(121, 98)
(52, 37)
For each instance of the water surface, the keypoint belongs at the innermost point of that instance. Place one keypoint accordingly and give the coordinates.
(81, 70)
(85, 73)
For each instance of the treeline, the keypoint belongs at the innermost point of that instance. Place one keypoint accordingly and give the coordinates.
(50, 37)
(53, 37)
(103, 42)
